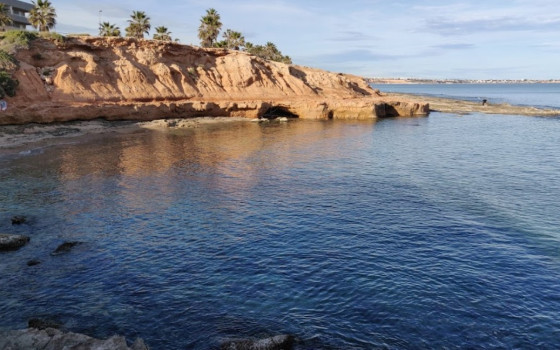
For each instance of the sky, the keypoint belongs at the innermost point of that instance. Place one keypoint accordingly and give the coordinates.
(469, 39)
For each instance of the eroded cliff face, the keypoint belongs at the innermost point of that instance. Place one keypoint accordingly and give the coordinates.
(125, 78)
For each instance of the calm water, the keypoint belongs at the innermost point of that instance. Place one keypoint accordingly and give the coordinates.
(539, 95)
(439, 232)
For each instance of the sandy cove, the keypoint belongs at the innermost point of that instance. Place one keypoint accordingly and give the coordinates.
(85, 78)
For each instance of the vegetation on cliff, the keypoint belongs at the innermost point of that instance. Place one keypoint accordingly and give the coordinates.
(139, 24)
(209, 30)
(108, 29)
(162, 34)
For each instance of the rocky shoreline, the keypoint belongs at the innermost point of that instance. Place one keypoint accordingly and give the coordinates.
(447, 105)
(54, 339)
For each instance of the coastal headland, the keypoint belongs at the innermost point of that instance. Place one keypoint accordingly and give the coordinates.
(83, 78)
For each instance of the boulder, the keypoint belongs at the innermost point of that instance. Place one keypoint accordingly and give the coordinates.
(12, 242)
(278, 342)
(54, 339)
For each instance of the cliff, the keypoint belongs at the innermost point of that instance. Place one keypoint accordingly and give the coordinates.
(125, 78)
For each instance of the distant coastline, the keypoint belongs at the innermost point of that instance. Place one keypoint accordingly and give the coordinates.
(458, 81)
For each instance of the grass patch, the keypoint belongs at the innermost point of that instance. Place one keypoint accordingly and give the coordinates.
(13, 40)
(57, 38)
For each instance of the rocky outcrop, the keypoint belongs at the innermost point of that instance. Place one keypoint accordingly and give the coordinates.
(12, 242)
(126, 78)
(278, 342)
(53, 339)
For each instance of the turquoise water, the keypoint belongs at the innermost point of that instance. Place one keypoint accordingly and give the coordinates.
(439, 232)
(539, 95)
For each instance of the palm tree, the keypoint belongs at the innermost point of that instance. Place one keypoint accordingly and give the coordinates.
(139, 24)
(234, 40)
(108, 29)
(209, 29)
(5, 19)
(42, 16)
(163, 34)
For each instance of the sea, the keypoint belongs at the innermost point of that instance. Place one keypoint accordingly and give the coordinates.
(540, 95)
(439, 232)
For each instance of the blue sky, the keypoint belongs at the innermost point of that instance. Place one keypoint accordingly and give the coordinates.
(472, 39)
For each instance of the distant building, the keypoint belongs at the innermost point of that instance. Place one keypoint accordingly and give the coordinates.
(17, 11)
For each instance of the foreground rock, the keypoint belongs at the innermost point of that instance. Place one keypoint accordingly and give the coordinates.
(12, 242)
(53, 339)
(125, 78)
(279, 342)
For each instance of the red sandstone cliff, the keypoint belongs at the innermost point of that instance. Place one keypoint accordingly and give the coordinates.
(124, 78)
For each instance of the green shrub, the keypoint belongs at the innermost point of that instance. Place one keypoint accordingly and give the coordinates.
(8, 85)
(13, 40)
(7, 61)
(57, 38)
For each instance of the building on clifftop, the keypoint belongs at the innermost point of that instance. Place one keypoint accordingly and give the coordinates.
(17, 11)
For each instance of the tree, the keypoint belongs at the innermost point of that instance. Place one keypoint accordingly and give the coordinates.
(139, 24)
(5, 19)
(233, 40)
(209, 29)
(42, 16)
(108, 29)
(268, 52)
(163, 34)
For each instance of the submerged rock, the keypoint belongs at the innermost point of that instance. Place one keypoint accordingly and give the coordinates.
(39, 323)
(278, 342)
(12, 242)
(65, 247)
(33, 262)
(54, 339)
(18, 220)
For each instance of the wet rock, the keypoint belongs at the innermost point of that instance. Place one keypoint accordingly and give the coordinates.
(40, 324)
(33, 262)
(18, 220)
(279, 342)
(54, 339)
(12, 242)
(65, 248)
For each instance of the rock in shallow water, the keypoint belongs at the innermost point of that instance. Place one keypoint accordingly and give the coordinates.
(18, 220)
(12, 242)
(65, 247)
(53, 339)
(39, 323)
(279, 342)
(33, 262)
